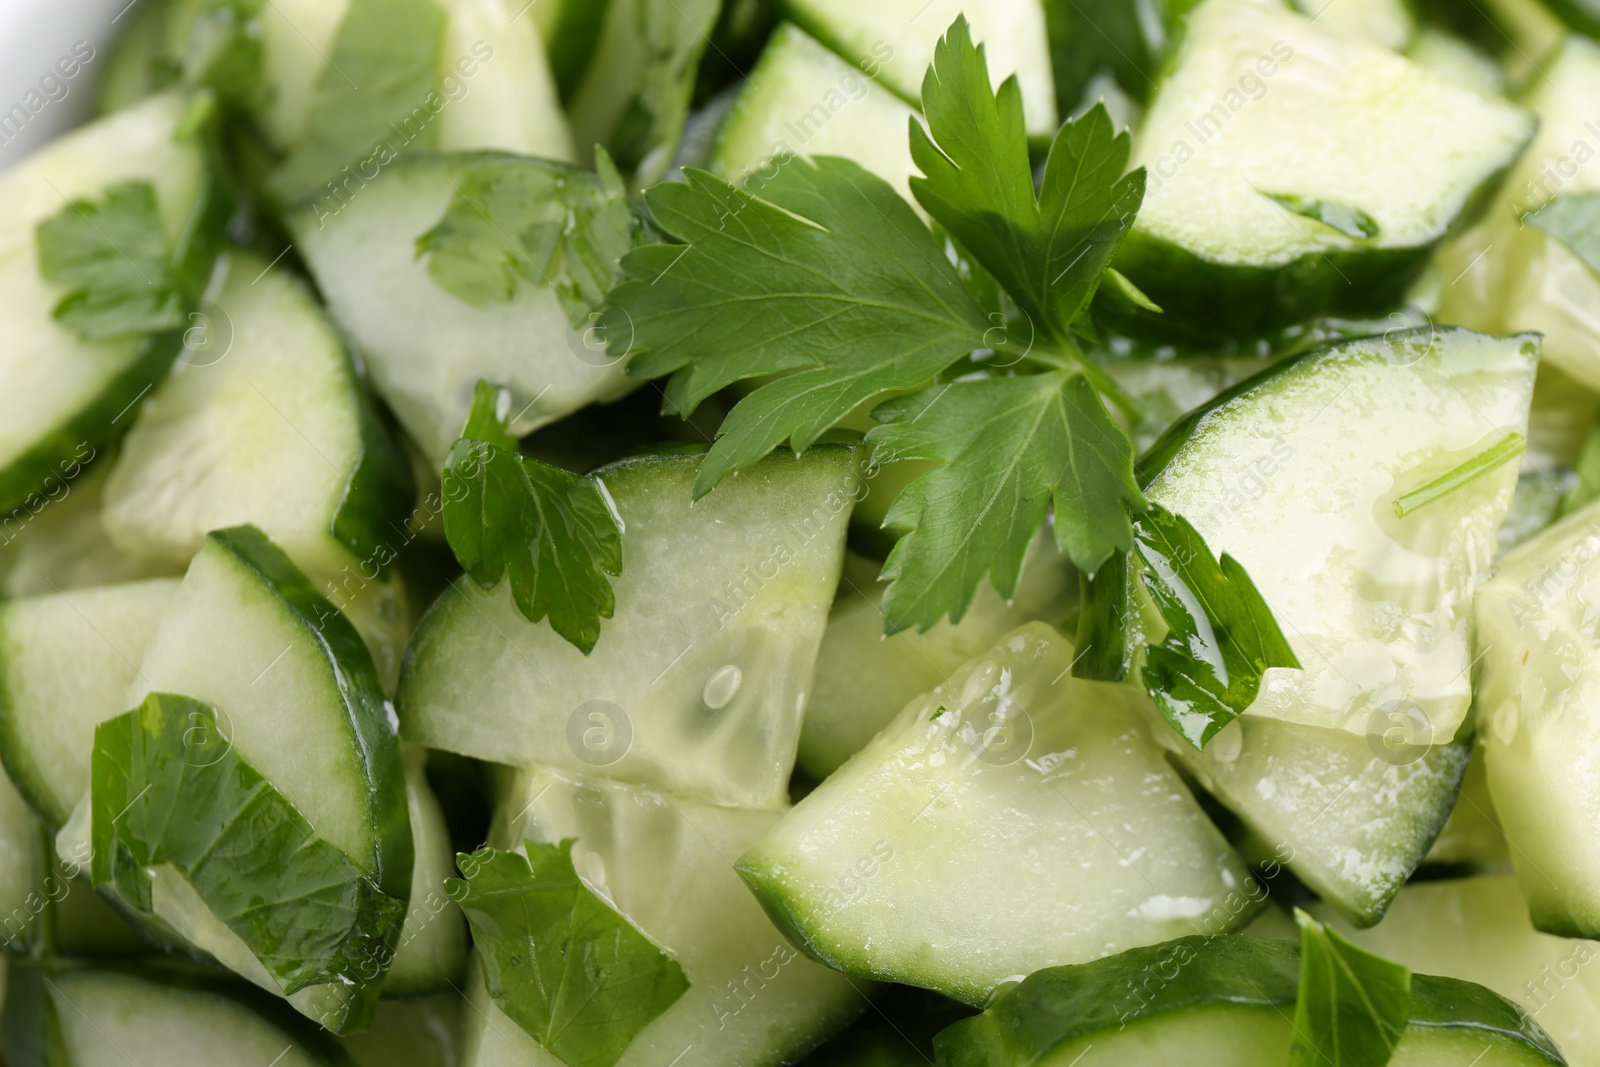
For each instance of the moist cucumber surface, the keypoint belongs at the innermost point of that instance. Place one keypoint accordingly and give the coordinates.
(698, 682)
(973, 804)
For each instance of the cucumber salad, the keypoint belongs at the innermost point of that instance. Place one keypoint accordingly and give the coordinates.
(684, 533)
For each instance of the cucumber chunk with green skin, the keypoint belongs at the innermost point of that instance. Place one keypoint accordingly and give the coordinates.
(1014, 818)
(802, 99)
(1351, 818)
(425, 347)
(1295, 474)
(22, 868)
(1515, 276)
(67, 1016)
(698, 681)
(664, 863)
(893, 40)
(1386, 23)
(1477, 929)
(863, 679)
(271, 427)
(412, 1032)
(1472, 837)
(1537, 694)
(1261, 105)
(1218, 1002)
(62, 398)
(66, 663)
(1450, 56)
(431, 954)
(296, 698)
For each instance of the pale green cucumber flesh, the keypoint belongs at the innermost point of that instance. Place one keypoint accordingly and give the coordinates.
(425, 348)
(698, 680)
(1012, 819)
(432, 951)
(67, 661)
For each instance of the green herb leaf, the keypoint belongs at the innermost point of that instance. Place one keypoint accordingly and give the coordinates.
(309, 914)
(1048, 251)
(1350, 221)
(555, 532)
(1221, 636)
(518, 220)
(1351, 1007)
(1009, 447)
(373, 97)
(224, 51)
(827, 275)
(113, 259)
(1574, 220)
(1507, 448)
(576, 976)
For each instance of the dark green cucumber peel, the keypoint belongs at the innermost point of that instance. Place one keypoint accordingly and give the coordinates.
(1061, 1004)
(381, 492)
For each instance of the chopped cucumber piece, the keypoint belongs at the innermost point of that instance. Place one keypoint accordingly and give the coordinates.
(1513, 276)
(77, 1017)
(49, 546)
(1520, 34)
(63, 397)
(801, 99)
(1536, 695)
(664, 863)
(427, 348)
(272, 428)
(893, 41)
(864, 679)
(1477, 929)
(22, 868)
(1269, 131)
(432, 951)
(1385, 23)
(496, 79)
(1472, 836)
(67, 661)
(1351, 817)
(294, 698)
(411, 1032)
(1014, 818)
(1451, 57)
(1294, 473)
(699, 679)
(1218, 1002)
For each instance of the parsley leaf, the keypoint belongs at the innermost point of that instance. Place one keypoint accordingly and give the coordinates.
(515, 220)
(1220, 635)
(373, 95)
(1048, 251)
(555, 532)
(114, 262)
(1574, 220)
(302, 906)
(576, 976)
(828, 274)
(1349, 221)
(1351, 1007)
(1008, 446)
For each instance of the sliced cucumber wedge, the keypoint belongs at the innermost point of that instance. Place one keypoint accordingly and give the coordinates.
(1301, 473)
(1477, 929)
(67, 661)
(802, 99)
(1349, 816)
(893, 41)
(863, 679)
(80, 1017)
(1014, 818)
(1386, 23)
(496, 81)
(1537, 697)
(23, 868)
(1284, 177)
(1472, 838)
(279, 695)
(62, 397)
(432, 952)
(425, 347)
(1513, 276)
(412, 1032)
(698, 681)
(271, 427)
(664, 863)
(1218, 1002)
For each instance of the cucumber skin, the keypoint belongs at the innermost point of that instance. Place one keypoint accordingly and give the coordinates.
(1060, 1004)
(1203, 299)
(371, 721)
(96, 425)
(382, 490)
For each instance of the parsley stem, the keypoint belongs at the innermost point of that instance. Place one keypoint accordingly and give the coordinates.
(1508, 447)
